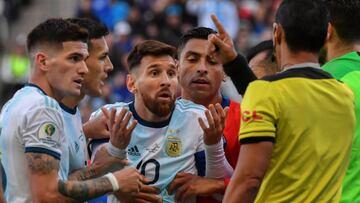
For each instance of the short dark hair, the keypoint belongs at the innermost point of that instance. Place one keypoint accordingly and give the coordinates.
(96, 29)
(266, 45)
(55, 31)
(149, 48)
(345, 17)
(304, 23)
(195, 33)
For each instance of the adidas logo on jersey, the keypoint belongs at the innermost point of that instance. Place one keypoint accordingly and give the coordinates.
(134, 151)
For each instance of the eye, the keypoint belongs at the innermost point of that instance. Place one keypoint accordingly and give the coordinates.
(154, 73)
(75, 58)
(212, 61)
(192, 58)
(172, 73)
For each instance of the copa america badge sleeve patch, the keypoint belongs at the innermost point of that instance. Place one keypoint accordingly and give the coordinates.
(173, 146)
(49, 134)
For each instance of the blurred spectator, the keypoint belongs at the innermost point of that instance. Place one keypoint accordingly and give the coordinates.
(225, 10)
(120, 93)
(85, 10)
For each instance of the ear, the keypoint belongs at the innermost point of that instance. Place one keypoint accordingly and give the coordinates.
(130, 83)
(330, 32)
(41, 61)
(278, 33)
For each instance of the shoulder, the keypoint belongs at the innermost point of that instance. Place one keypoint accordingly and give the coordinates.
(117, 106)
(184, 105)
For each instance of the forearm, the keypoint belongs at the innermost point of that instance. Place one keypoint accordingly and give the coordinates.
(82, 191)
(245, 191)
(216, 164)
(85, 174)
(240, 73)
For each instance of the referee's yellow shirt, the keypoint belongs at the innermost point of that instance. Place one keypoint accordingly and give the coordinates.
(310, 118)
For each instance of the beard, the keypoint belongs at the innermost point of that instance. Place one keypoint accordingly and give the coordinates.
(159, 108)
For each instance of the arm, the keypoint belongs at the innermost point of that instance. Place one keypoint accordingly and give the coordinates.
(46, 187)
(253, 162)
(235, 66)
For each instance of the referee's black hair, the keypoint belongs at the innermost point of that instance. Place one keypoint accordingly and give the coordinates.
(195, 33)
(345, 17)
(304, 23)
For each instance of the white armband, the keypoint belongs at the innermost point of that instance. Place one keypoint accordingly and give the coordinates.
(113, 181)
(116, 152)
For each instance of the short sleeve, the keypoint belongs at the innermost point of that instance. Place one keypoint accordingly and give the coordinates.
(259, 113)
(43, 131)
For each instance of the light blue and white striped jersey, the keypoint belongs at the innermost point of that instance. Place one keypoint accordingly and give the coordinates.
(77, 142)
(31, 122)
(161, 150)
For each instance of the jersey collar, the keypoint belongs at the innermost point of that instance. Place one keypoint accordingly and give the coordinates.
(149, 123)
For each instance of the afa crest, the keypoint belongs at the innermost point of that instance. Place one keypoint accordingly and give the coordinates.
(173, 146)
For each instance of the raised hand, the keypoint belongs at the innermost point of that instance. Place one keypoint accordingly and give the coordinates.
(120, 134)
(96, 128)
(221, 44)
(216, 117)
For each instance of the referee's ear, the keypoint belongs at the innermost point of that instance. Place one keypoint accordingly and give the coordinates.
(131, 83)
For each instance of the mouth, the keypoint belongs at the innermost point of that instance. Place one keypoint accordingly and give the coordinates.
(166, 96)
(78, 81)
(200, 81)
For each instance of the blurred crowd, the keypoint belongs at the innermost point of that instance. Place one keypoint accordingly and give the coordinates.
(131, 21)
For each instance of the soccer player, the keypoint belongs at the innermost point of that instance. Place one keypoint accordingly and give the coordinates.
(343, 55)
(32, 137)
(194, 64)
(284, 157)
(99, 65)
(168, 137)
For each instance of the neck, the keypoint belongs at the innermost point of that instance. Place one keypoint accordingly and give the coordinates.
(146, 114)
(45, 86)
(72, 102)
(338, 48)
(203, 101)
(289, 58)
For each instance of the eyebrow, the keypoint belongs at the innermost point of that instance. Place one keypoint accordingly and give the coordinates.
(189, 53)
(79, 55)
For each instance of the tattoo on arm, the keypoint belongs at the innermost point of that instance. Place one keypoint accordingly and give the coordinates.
(85, 190)
(83, 174)
(41, 164)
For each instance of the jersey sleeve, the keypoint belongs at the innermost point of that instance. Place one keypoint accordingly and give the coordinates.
(259, 113)
(43, 130)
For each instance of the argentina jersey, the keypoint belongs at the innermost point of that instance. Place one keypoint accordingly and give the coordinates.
(31, 122)
(161, 150)
(76, 153)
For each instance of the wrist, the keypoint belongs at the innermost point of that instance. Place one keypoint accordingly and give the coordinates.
(116, 152)
(113, 181)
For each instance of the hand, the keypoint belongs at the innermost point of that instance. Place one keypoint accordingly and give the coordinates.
(107, 163)
(120, 135)
(216, 121)
(147, 194)
(226, 50)
(129, 180)
(96, 128)
(188, 186)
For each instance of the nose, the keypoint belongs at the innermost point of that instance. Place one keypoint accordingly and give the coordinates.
(201, 68)
(108, 65)
(83, 69)
(165, 80)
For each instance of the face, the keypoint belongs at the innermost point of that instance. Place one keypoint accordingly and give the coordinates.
(200, 75)
(66, 68)
(99, 66)
(154, 84)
